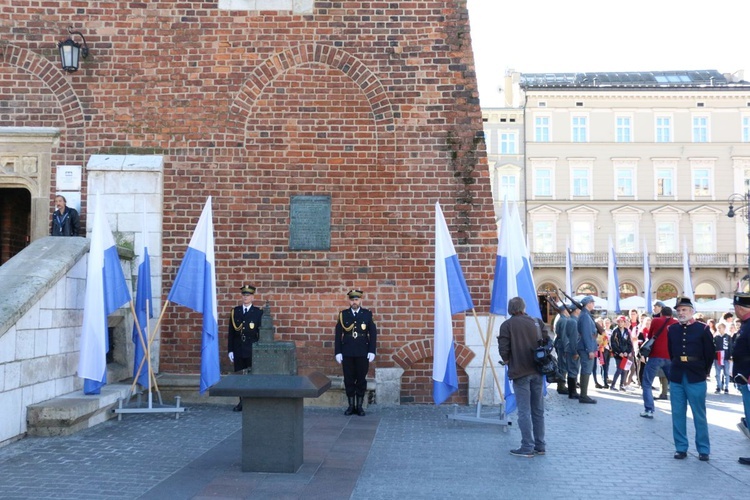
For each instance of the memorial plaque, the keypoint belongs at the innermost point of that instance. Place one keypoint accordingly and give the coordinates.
(310, 223)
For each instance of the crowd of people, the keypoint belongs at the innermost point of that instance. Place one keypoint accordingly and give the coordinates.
(681, 348)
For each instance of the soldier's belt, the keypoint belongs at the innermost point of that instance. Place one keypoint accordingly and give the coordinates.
(354, 334)
(685, 359)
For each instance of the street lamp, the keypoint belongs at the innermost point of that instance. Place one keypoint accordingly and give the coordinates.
(742, 202)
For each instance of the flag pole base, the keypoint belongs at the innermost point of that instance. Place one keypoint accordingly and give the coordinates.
(159, 408)
(493, 417)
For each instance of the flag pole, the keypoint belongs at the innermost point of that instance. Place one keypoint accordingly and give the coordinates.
(492, 367)
(152, 335)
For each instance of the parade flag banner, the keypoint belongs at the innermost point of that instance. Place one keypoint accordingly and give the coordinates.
(686, 279)
(106, 291)
(510, 394)
(613, 283)
(513, 276)
(143, 310)
(195, 288)
(568, 269)
(451, 297)
(647, 280)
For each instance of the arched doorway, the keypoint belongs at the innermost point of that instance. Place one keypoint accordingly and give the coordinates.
(15, 221)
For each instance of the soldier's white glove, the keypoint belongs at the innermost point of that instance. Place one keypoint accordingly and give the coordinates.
(231, 357)
(339, 358)
(370, 357)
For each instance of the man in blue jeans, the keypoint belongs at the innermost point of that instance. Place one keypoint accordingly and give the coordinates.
(691, 350)
(659, 358)
(519, 336)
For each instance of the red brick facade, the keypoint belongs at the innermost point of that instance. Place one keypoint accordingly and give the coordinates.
(372, 103)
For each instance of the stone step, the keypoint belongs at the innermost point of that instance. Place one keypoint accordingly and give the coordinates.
(69, 413)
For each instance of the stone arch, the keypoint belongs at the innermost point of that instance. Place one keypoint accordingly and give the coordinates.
(55, 79)
(418, 350)
(356, 70)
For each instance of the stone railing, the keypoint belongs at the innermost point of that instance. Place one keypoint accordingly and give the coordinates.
(600, 259)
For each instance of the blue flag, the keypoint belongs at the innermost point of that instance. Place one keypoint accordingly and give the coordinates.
(195, 288)
(451, 297)
(106, 291)
(647, 280)
(143, 310)
(513, 276)
(613, 282)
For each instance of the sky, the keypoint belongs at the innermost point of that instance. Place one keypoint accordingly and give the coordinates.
(570, 36)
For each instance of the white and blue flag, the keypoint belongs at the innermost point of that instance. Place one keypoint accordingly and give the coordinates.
(106, 291)
(195, 288)
(143, 310)
(451, 297)
(510, 394)
(647, 280)
(613, 282)
(513, 276)
(687, 280)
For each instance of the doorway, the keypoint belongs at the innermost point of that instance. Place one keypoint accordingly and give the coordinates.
(15, 222)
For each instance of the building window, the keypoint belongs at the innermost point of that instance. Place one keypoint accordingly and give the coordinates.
(700, 129)
(580, 129)
(508, 143)
(704, 237)
(623, 129)
(587, 289)
(664, 182)
(541, 129)
(701, 182)
(624, 181)
(626, 236)
(663, 129)
(666, 237)
(627, 290)
(581, 182)
(542, 182)
(488, 140)
(507, 187)
(581, 236)
(544, 236)
(746, 129)
(666, 291)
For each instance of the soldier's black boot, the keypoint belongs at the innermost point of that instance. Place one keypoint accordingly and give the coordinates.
(238, 407)
(350, 410)
(584, 391)
(561, 388)
(360, 411)
(572, 393)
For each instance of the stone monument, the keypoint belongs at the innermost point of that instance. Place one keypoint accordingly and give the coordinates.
(272, 403)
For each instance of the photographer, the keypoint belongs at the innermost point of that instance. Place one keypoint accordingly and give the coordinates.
(519, 337)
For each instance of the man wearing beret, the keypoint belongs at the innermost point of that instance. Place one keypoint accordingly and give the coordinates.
(691, 349)
(244, 331)
(571, 348)
(561, 320)
(587, 347)
(354, 347)
(741, 358)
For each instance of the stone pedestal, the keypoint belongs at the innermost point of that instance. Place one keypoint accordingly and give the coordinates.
(272, 417)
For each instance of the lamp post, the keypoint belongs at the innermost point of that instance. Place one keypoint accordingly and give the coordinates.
(739, 204)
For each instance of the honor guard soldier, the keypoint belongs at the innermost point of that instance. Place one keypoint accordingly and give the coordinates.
(356, 336)
(244, 331)
(691, 349)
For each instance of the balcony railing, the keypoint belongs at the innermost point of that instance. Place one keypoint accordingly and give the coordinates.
(600, 259)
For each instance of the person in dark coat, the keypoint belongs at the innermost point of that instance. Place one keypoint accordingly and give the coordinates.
(741, 361)
(244, 331)
(65, 220)
(354, 349)
(691, 349)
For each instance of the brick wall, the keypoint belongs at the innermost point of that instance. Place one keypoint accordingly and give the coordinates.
(372, 103)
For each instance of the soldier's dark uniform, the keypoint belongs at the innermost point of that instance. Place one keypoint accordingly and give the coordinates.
(244, 331)
(356, 337)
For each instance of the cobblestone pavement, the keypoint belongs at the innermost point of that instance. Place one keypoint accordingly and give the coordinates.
(408, 451)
